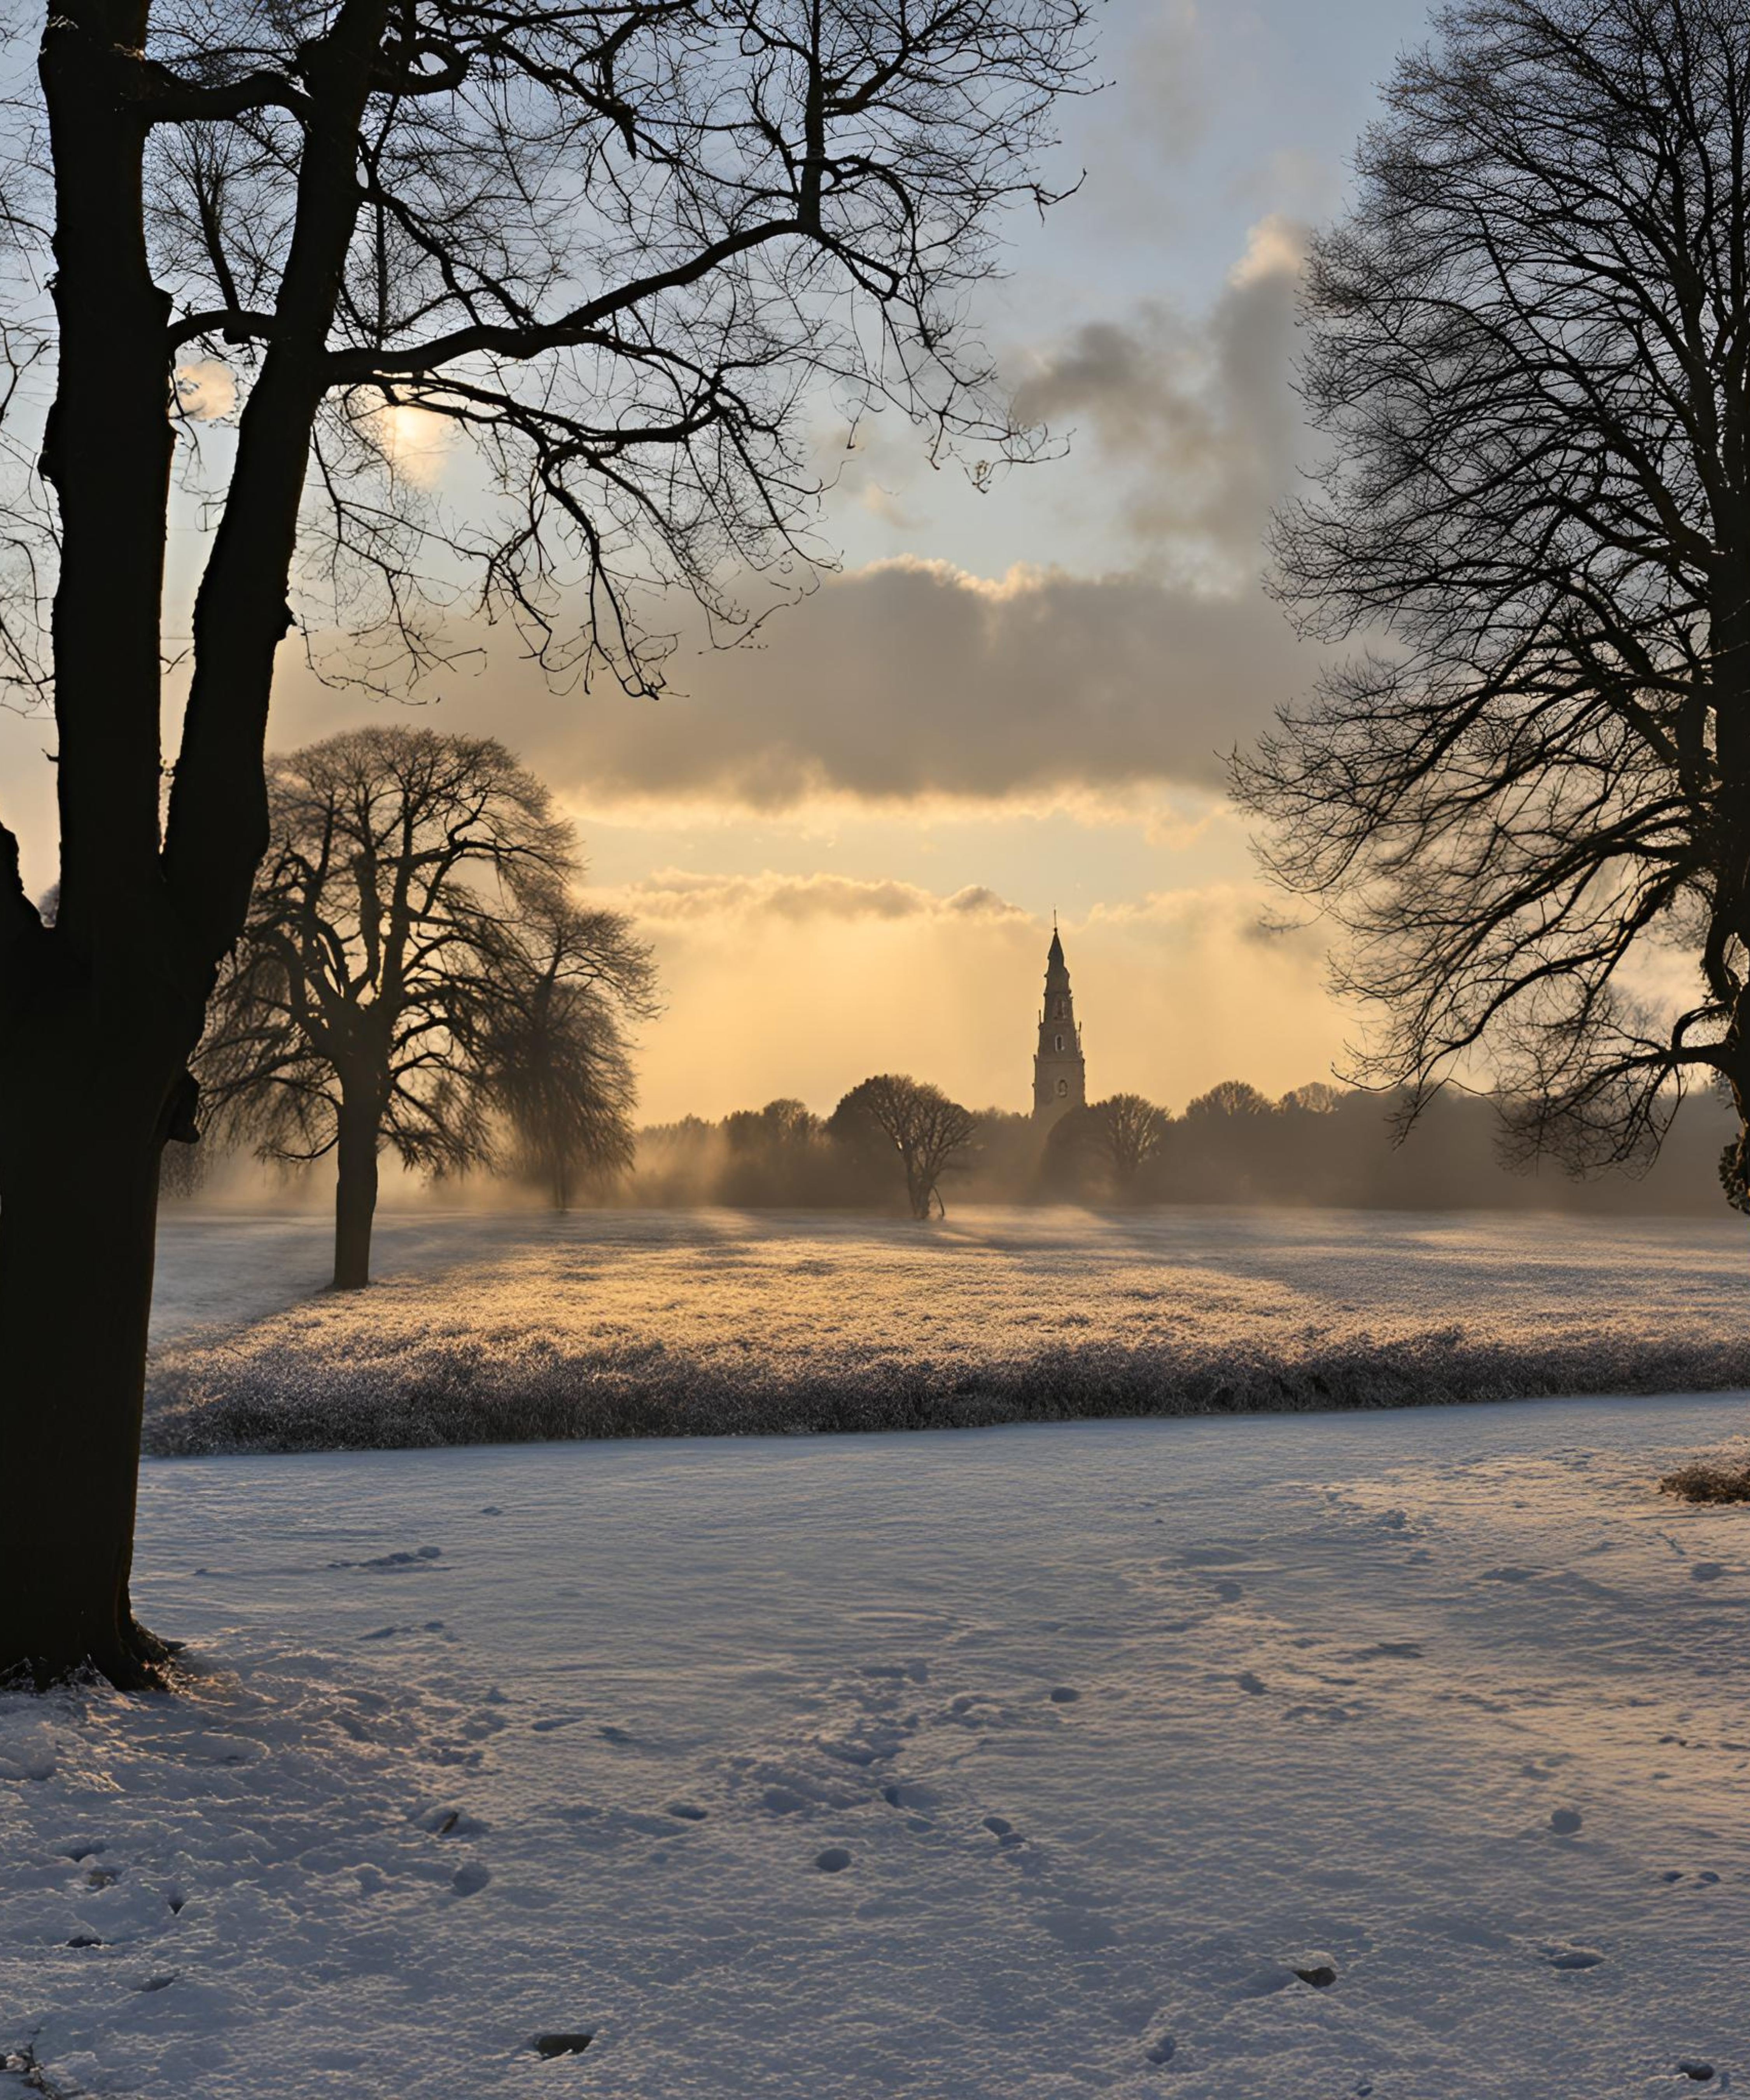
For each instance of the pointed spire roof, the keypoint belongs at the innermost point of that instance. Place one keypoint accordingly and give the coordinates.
(1055, 953)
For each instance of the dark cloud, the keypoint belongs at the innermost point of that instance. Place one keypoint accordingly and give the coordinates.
(909, 680)
(1195, 415)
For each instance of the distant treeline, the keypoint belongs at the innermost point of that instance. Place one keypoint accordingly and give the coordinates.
(1318, 1144)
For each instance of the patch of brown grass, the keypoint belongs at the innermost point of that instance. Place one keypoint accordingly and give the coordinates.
(1711, 1481)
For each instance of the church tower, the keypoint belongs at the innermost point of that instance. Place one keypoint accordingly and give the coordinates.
(1060, 1075)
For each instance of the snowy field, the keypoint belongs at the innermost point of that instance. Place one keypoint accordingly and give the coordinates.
(1024, 1765)
(489, 1327)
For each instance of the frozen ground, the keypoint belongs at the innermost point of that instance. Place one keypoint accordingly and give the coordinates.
(1116, 1725)
(486, 1327)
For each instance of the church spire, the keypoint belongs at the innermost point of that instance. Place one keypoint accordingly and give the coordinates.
(1060, 1072)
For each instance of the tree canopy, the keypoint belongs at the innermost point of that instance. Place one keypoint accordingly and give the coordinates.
(414, 973)
(897, 1115)
(1524, 796)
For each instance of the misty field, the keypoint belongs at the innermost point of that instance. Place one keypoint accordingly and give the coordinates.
(499, 1327)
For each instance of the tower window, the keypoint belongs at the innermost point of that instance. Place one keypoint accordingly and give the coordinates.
(1060, 1043)
(1063, 1088)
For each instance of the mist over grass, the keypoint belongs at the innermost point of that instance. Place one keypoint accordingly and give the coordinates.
(1318, 1146)
(649, 1325)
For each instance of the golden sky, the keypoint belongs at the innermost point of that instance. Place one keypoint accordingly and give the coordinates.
(847, 840)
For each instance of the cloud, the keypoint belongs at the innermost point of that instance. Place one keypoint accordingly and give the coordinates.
(205, 389)
(1225, 913)
(1195, 414)
(908, 682)
(678, 897)
(1166, 87)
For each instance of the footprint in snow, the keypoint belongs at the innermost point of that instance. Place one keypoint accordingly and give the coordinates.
(551, 2045)
(834, 1860)
(1572, 1957)
(1507, 1574)
(1249, 1681)
(1565, 1822)
(469, 1878)
(1706, 1571)
(1064, 1695)
(455, 1823)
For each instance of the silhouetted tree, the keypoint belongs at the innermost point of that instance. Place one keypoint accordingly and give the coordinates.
(1229, 1100)
(1225, 1145)
(558, 1063)
(1317, 1097)
(1527, 353)
(913, 1120)
(1132, 1133)
(610, 248)
(412, 969)
(1111, 1141)
(776, 1154)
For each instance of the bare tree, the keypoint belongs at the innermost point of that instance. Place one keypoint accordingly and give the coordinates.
(1117, 1138)
(619, 250)
(411, 969)
(1527, 799)
(1229, 1100)
(914, 1120)
(1132, 1132)
(559, 1065)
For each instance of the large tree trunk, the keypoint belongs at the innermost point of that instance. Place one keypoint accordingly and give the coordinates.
(98, 1017)
(355, 1192)
(78, 1205)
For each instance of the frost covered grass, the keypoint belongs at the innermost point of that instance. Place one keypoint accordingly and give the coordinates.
(503, 1329)
(1298, 1758)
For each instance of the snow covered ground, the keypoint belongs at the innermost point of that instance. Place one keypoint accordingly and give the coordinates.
(1020, 1765)
(486, 1327)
